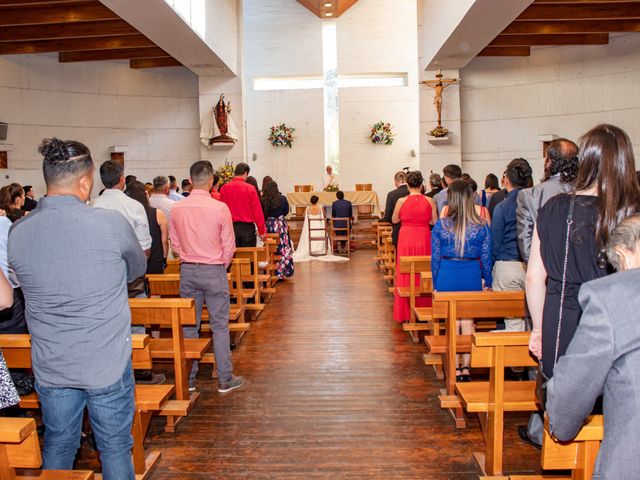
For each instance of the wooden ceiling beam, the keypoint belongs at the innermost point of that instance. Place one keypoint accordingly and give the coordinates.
(118, 54)
(138, 63)
(75, 44)
(505, 52)
(566, 39)
(57, 31)
(591, 11)
(22, 3)
(566, 26)
(80, 11)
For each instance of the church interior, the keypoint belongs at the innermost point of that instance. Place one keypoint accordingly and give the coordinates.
(362, 352)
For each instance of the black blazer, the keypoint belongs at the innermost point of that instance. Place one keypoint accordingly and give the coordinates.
(393, 197)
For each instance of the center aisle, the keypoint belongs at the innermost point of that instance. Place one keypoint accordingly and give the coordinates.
(334, 390)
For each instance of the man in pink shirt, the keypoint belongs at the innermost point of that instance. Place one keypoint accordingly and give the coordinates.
(202, 235)
(246, 209)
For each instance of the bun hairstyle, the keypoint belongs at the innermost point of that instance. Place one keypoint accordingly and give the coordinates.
(519, 173)
(64, 161)
(415, 179)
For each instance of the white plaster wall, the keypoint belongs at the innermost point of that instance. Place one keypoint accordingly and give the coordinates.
(282, 38)
(153, 112)
(508, 102)
(370, 40)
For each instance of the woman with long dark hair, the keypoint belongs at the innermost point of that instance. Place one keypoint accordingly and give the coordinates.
(461, 255)
(571, 233)
(276, 208)
(158, 227)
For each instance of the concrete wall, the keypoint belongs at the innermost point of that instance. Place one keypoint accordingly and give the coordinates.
(508, 102)
(153, 112)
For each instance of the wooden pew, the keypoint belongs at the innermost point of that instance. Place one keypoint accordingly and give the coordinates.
(149, 398)
(389, 259)
(173, 313)
(490, 400)
(173, 266)
(168, 286)
(579, 455)
(414, 267)
(383, 230)
(251, 274)
(20, 448)
(466, 305)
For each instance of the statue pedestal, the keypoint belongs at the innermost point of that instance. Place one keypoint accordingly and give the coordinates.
(439, 140)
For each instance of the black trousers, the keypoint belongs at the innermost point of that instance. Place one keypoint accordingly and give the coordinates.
(245, 234)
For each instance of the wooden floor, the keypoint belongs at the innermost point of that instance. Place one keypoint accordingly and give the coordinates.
(335, 390)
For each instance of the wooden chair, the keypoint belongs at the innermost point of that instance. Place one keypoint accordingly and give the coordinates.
(453, 306)
(318, 233)
(490, 400)
(20, 448)
(415, 267)
(150, 399)
(579, 455)
(364, 209)
(173, 314)
(302, 188)
(340, 234)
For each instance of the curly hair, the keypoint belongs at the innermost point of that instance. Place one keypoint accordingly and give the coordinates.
(562, 155)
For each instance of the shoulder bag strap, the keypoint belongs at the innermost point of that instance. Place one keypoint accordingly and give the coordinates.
(564, 276)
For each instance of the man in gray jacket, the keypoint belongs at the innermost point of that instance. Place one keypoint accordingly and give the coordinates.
(602, 359)
(560, 169)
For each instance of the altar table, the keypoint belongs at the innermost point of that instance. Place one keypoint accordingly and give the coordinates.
(303, 199)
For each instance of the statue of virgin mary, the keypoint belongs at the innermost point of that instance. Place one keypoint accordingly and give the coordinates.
(218, 126)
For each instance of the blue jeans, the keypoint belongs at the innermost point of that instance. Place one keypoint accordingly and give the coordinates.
(111, 412)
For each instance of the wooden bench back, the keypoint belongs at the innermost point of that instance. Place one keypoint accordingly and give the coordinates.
(479, 304)
(167, 312)
(579, 454)
(173, 266)
(510, 349)
(164, 285)
(414, 265)
(16, 349)
(19, 440)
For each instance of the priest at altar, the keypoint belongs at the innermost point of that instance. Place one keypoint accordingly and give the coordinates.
(330, 181)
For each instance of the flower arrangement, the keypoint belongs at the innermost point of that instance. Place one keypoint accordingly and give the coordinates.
(225, 172)
(381, 133)
(439, 132)
(281, 135)
(332, 188)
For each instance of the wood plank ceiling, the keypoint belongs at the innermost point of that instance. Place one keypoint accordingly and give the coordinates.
(79, 30)
(328, 8)
(565, 22)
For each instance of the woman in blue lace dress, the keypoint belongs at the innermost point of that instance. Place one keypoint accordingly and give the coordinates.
(461, 256)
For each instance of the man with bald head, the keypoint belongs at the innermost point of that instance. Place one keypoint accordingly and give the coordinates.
(560, 170)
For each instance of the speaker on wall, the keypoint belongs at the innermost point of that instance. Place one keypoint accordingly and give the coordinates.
(3, 131)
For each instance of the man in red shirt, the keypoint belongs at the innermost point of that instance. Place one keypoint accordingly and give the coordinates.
(246, 209)
(202, 235)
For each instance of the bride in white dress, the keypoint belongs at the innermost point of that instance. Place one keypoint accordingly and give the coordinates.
(319, 249)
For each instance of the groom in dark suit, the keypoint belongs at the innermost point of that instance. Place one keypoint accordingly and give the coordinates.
(341, 208)
(401, 191)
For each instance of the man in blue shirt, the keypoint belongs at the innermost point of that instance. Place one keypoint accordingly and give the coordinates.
(509, 271)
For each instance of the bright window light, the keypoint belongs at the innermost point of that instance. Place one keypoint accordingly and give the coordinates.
(287, 83)
(373, 80)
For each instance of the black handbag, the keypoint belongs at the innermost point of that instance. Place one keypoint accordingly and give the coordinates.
(541, 379)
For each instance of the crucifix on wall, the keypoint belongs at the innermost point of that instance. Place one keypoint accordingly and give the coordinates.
(439, 85)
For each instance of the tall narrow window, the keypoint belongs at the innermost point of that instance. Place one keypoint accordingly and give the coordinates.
(331, 112)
